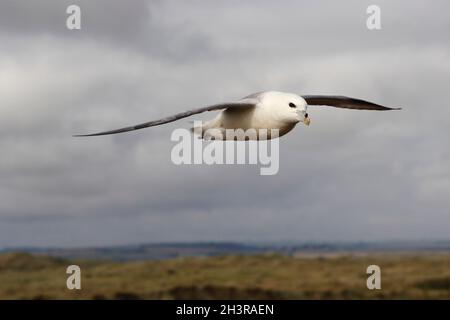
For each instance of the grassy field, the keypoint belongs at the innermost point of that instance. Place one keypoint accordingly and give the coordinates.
(270, 276)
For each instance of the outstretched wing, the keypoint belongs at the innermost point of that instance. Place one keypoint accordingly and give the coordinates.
(345, 102)
(242, 104)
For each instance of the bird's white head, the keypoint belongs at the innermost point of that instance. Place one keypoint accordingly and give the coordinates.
(286, 107)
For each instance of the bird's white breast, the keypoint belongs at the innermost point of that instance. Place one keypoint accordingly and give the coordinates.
(272, 112)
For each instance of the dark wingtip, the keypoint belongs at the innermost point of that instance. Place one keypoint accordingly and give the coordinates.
(390, 109)
(84, 135)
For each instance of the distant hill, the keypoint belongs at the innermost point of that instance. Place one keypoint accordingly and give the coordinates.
(25, 262)
(161, 251)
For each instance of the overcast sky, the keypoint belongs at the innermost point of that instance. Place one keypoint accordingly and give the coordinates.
(350, 176)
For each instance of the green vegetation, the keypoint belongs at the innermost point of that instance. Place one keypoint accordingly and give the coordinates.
(269, 276)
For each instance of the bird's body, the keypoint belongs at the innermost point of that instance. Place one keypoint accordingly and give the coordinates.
(264, 112)
(271, 113)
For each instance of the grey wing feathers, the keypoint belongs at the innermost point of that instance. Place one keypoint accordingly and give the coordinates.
(344, 102)
(245, 103)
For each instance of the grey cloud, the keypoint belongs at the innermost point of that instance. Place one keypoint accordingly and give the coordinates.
(350, 176)
(140, 25)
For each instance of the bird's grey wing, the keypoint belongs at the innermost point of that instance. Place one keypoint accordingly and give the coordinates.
(344, 102)
(242, 104)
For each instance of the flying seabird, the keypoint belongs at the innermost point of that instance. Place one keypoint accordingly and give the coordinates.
(263, 110)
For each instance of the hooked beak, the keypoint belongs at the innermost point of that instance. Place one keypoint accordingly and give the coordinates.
(306, 119)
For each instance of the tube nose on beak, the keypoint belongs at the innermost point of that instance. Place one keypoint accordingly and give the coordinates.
(306, 119)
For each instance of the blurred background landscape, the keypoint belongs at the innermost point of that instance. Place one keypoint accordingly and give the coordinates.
(348, 185)
(409, 270)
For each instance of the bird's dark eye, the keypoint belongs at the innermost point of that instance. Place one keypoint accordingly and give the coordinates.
(306, 115)
(292, 105)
